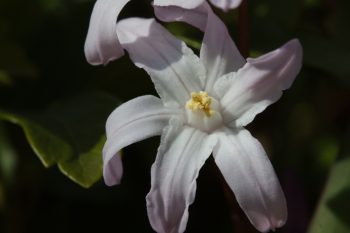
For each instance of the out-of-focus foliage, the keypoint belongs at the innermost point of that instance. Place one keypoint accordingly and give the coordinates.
(69, 133)
(333, 211)
(8, 156)
(49, 90)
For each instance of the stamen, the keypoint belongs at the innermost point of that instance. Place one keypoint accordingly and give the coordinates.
(200, 101)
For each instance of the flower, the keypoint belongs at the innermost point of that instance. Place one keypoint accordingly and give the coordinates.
(102, 44)
(204, 104)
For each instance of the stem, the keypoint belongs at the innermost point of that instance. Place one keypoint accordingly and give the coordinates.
(243, 30)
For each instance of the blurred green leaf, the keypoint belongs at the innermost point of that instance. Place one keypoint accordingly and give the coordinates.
(8, 156)
(14, 61)
(312, 3)
(69, 133)
(326, 55)
(190, 42)
(51, 5)
(5, 79)
(2, 197)
(326, 150)
(333, 213)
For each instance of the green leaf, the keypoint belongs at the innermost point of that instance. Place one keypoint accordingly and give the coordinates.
(333, 213)
(69, 133)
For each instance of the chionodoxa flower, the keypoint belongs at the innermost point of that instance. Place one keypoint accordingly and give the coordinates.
(205, 103)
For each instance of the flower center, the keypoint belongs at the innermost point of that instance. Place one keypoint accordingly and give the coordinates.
(200, 101)
(203, 112)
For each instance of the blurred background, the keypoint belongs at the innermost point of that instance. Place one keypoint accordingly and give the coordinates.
(53, 106)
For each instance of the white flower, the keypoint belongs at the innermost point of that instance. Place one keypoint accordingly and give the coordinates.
(102, 43)
(204, 104)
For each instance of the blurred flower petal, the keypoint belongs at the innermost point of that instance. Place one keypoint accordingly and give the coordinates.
(102, 44)
(191, 4)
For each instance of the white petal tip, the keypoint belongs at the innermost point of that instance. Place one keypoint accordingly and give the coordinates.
(268, 227)
(112, 168)
(294, 44)
(102, 44)
(96, 56)
(110, 179)
(226, 5)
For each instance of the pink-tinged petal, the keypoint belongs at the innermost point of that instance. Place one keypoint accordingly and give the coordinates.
(187, 4)
(133, 121)
(260, 83)
(249, 173)
(226, 4)
(175, 70)
(101, 44)
(196, 17)
(180, 156)
(218, 53)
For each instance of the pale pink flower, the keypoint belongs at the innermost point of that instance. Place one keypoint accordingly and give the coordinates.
(102, 44)
(205, 103)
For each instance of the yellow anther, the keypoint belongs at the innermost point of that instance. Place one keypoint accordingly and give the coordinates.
(200, 101)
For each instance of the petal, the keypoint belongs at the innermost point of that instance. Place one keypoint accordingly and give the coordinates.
(218, 53)
(133, 121)
(180, 156)
(101, 44)
(187, 4)
(175, 70)
(249, 173)
(176, 12)
(260, 83)
(226, 4)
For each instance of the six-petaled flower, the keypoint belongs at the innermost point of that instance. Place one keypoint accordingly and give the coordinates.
(205, 103)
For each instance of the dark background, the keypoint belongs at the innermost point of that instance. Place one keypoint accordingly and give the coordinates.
(305, 133)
